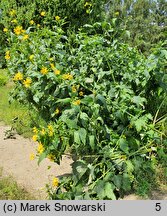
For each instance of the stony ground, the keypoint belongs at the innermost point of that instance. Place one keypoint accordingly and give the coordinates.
(14, 159)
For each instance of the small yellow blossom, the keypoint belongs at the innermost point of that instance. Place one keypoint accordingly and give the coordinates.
(27, 82)
(50, 127)
(74, 89)
(51, 157)
(35, 130)
(25, 37)
(34, 138)
(40, 148)
(57, 111)
(14, 21)
(43, 13)
(31, 22)
(81, 93)
(12, 12)
(32, 156)
(57, 18)
(51, 59)
(77, 102)
(57, 72)
(31, 57)
(87, 4)
(18, 30)
(67, 76)
(44, 70)
(38, 25)
(51, 130)
(18, 76)
(117, 13)
(52, 66)
(5, 30)
(43, 132)
(55, 182)
(7, 55)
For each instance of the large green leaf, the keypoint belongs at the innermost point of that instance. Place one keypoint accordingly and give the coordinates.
(82, 135)
(124, 145)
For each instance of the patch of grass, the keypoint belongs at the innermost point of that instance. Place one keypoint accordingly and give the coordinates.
(9, 189)
(3, 77)
(16, 114)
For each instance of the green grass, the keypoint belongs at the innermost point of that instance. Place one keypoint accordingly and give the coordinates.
(26, 119)
(10, 190)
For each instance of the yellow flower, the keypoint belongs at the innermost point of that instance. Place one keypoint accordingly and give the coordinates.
(44, 70)
(57, 72)
(34, 138)
(25, 37)
(5, 30)
(77, 102)
(51, 157)
(81, 93)
(31, 57)
(40, 148)
(51, 130)
(67, 76)
(35, 130)
(51, 59)
(57, 111)
(117, 13)
(12, 12)
(57, 18)
(38, 25)
(43, 132)
(52, 66)
(18, 76)
(14, 21)
(74, 89)
(43, 13)
(50, 127)
(87, 4)
(31, 22)
(27, 82)
(18, 30)
(55, 182)
(7, 55)
(32, 156)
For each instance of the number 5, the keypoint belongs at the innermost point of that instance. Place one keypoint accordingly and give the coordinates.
(158, 207)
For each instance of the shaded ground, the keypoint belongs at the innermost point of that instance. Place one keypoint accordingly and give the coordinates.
(14, 158)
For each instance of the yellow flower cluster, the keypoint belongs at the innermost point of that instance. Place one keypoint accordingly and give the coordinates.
(35, 130)
(12, 12)
(14, 21)
(51, 157)
(31, 22)
(43, 13)
(18, 30)
(18, 76)
(77, 102)
(40, 148)
(55, 182)
(44, 70)
(25, 37)
(57, 72)
(74, 89)
(34, 138)
(27, 82)
(57, 18)
(7, 55)
(67, 76)
(51, 130)
(5, 30)
(57, 111)
(43, 132)
(32, 156)
(31, 57)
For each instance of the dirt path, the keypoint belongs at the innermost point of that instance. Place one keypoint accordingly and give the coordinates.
(14, 159)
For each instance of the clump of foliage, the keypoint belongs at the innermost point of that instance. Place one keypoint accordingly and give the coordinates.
(94, 92)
